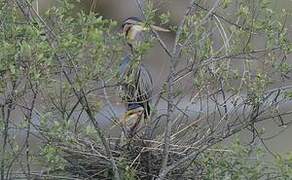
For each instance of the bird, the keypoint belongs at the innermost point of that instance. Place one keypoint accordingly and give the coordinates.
(134, 30)
(137, 83)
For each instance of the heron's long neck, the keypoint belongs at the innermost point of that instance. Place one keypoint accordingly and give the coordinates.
(134, 32)
(135, 56)
(135, 37)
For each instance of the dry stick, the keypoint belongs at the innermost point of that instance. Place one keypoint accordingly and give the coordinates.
(170, 95)
(201, 149)
(202, 21)
(93, 5)
(106, 97)
(161, 42)
(194, 154)
(24, 7)
(183, 72)
(29, 118)
(164, 168)
(6, 118)
(170, 83)
(222, 17)
(170, 91)
(5, 136)
(15, 157)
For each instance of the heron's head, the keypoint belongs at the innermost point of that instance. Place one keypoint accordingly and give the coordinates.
(134, 108)
(133, 26)
(130, 23)
(132, 115)
(138, 111)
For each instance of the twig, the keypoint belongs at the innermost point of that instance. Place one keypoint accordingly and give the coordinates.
(170, 96)
(25, 6)
(157, 36)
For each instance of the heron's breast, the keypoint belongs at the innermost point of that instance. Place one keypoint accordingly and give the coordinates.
(135, 34)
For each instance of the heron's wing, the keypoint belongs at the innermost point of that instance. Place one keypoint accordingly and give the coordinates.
(137, 84)
(125, 66)
(145, 84)
(145, 88)
(128, 79)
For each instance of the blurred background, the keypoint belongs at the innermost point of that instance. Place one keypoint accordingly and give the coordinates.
(156, 59)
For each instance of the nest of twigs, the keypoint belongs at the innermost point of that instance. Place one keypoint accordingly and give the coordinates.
(135, 157)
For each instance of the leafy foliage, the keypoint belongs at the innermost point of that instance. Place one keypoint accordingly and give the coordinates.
(60, 69)
(241, 162)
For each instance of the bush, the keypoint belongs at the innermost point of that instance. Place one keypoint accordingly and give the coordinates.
(58, 70)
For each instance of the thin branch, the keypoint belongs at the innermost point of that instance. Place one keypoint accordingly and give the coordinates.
(25, 6)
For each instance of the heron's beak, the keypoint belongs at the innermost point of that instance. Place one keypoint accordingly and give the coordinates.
(154, 27)
(157, 28)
